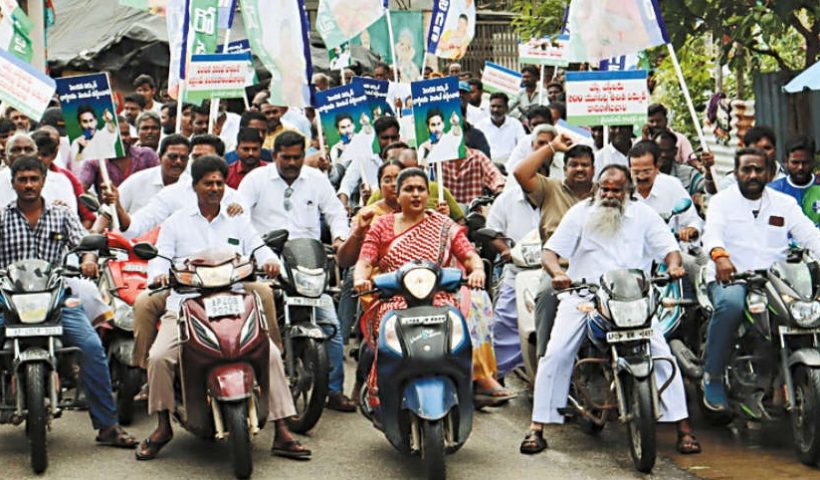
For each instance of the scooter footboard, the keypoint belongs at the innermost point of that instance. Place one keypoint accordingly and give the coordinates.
(430, 398)
(233, 381)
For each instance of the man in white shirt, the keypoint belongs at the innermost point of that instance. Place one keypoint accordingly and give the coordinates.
(387, 132)
(138, 189)
(298, 119)
(206, 225)
(610, 233)
(502, 131)
(57, 187)
(473, 114)
(514, 216)
(747, 228)
(620, 141)
(287, 195)
(145, 86)
(541, 136)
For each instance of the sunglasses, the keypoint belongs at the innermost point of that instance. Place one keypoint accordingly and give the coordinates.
(288, 204)
(176, 156)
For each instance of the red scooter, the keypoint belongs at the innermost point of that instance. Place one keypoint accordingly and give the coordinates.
(123, 276)
(222, 374)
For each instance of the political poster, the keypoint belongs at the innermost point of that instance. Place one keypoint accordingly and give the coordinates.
(15, 28)
(337, 21)
(376, 93)
(604, 29)
(452, 28)
(347, 122)
(23, 87)
(239, 46)
(219, 75)
(204, 23)
(500, 79)
(277, 31)
(607, 98)
(438, 120)
(408, 31)
(90, 118)
(545, 51)
(339, 56)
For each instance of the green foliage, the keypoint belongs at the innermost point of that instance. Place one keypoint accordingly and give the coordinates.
(537, 18)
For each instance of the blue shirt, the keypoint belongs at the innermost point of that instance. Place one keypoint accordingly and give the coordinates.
(265, 156)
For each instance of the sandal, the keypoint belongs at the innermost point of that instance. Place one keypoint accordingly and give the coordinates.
(687, 443)
(292, 449)
(533, 443)
(151, 448)
(116, 437)
(493, 397)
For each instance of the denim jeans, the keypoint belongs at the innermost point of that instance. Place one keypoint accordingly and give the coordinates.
(347, 305)
(94, 374)
(327, 320)
(728, 304)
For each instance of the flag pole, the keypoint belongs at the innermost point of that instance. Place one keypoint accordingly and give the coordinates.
(689, 103)
(392, 44)
(183, 63)
(541, 86)
(440, 180)
(215, 101)
(321, 133)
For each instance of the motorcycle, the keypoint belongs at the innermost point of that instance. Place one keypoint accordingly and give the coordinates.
(33, 357)
(122, 277)
(299, 291)
(424, 367)
(774, 365)
(614, 368)
(222, 374)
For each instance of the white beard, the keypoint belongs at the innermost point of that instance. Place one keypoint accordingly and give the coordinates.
(606, 221)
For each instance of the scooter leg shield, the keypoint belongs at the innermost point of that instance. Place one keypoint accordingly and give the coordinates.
(122, 349)
(430, 398)
(805, 356)
(230, 382)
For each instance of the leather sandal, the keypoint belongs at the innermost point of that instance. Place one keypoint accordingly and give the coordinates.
(116, 437)
(151, 448)
(292, 449)
(533, 443)
(687, 443)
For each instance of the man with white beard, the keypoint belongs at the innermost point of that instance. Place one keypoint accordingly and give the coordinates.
(608, 233)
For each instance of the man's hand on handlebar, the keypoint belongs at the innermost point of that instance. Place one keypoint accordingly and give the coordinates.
(687, 234)
(561, 281)
(724, 270)
(271, 268)
(161, 281)
(677, 272)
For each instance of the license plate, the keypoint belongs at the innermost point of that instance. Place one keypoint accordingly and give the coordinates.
(628, 335)
(425, 320)
(784, 330)
(135, 267)
(54, 330)
(310, 302)
(224, 305)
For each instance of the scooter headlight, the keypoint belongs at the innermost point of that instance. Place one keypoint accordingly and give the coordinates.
(805, 313)
(629, 314)
(457, 333)
(390, 337)
(756, 303)
(123, 315)
(215, 277)
(32, 307)
(420, 282)
(310, 282)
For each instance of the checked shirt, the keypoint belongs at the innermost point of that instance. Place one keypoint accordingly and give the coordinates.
(57, 230)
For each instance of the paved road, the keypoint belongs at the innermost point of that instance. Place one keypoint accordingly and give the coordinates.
(346, 447)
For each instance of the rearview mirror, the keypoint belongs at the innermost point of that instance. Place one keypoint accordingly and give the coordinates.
(145, 251)
(92, 242)
(276, 239)
(90, 202)
(682, 206)
(487, 234)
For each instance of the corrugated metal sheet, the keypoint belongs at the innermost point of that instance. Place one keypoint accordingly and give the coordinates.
(787, 114)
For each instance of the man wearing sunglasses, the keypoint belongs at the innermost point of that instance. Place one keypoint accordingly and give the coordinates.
(138, 189)
(288, 195)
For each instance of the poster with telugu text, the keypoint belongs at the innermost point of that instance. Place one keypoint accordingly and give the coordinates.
(347, 122)
(607, 98)
(438, 120)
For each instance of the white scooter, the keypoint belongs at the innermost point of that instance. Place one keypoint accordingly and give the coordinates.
(526, 255)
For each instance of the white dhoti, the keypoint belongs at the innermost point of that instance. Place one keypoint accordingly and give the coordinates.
(555, 368)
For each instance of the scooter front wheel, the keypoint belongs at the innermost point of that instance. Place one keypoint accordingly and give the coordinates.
(432, 449)
(131, 381)
(805, 417)
(235, 417)
(641, 425)
(37, 418)
(309, 385)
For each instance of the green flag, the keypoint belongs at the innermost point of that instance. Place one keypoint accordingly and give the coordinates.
(204, 16)
(15, 28)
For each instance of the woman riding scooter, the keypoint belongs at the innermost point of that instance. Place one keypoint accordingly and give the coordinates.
(417, 233)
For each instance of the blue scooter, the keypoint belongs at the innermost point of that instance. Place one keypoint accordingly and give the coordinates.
(424, 367)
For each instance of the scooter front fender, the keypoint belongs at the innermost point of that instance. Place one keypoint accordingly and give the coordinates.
(805, 356)
(640, 369)
(231, 382)
(122, 349)
(430, 398)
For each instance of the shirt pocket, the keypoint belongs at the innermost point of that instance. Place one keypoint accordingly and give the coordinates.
(776, 237)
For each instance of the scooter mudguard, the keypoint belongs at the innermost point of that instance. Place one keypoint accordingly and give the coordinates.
(639, 369)
(233, 381)
(805, 356)
(430, 398)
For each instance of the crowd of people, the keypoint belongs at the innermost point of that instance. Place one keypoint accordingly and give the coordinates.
(596, 206)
